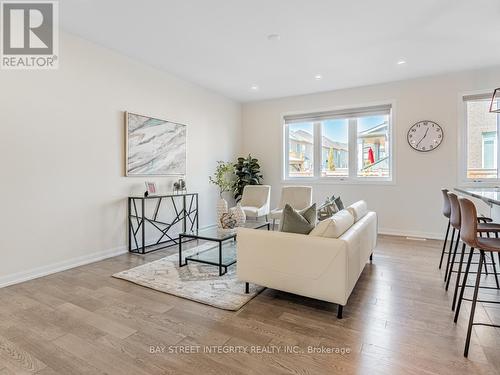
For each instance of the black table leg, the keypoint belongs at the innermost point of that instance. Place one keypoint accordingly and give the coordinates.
(220, 258)
(143, 226)
(180, 250)
(129, 222)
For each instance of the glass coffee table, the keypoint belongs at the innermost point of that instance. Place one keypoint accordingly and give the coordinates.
(221, 255)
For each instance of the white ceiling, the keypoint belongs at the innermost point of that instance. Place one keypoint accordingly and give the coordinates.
(223, 45)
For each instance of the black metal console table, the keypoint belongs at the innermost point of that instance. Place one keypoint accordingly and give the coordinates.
(185, 211)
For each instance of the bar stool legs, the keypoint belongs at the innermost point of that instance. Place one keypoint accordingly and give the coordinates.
(444, 244)
(494, 268)
(449, 253)
(462, 290)
(457, 281)
(474, 301)
(452, 261)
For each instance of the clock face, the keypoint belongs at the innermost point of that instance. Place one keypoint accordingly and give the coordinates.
(425, 136)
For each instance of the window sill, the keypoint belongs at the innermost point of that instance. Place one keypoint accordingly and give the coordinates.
(337, 181)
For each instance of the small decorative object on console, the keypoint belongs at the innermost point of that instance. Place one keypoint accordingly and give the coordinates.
(150, 188)
(180, 186)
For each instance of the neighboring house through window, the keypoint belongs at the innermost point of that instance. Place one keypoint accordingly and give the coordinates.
(480, 140)
(489, 159)
(353, 144)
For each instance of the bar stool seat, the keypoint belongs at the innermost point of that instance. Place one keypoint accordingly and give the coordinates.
(489, 244)
(488, 227)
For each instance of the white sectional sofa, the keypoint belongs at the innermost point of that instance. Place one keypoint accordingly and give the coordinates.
(318, 267)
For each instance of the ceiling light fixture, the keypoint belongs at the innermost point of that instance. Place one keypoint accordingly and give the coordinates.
(401, 62)
(273, 37)
(254, 88)
(318, 77)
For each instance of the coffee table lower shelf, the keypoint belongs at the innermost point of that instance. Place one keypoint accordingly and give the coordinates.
(221, 255)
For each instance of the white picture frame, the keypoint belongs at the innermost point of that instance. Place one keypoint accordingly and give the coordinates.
(151, 188)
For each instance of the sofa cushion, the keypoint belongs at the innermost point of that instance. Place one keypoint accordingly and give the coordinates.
(301, 222)
(358, 210)
(335, 226)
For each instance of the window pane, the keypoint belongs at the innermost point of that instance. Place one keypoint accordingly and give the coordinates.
(301, 150)
(334, 148)
(489, 150)
(481, 140)
(373, 146)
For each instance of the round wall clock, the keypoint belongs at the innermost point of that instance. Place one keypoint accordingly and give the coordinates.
(425, 136)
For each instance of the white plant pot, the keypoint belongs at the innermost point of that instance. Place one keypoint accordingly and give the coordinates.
(221, 209)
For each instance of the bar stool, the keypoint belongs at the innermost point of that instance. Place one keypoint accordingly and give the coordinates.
(455, 221)
(446, 213)
(468, 234)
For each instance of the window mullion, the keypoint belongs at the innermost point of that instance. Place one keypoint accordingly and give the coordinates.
(317, 149)
(286, 161)
(353, 151)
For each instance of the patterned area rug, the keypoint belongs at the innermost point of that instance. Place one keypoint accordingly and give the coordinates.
(196, 281)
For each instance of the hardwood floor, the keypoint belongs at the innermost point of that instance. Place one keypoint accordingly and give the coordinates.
(397, 321)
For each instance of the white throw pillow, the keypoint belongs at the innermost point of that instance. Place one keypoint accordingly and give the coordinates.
(358, 210)
(335, 226)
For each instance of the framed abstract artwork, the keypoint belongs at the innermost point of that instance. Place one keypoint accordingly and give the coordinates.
(154, 147)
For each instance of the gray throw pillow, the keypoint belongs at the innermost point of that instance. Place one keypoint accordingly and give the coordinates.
(301, 222)
(339, 203)
(327, 210)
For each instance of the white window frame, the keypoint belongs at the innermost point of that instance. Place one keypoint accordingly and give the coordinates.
(353, 178)
(462, 149)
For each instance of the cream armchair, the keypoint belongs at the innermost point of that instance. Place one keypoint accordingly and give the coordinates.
(255, 200)
(299, 197)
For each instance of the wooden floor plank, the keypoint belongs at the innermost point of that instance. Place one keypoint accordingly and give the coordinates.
(17, 360)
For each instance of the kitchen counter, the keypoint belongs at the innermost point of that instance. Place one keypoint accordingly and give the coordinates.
(491, 196)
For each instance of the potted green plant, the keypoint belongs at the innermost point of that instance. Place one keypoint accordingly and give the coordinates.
(223, 178)
(247, 172)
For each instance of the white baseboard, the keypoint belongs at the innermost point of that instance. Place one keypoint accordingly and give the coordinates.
(417, 234)
(37, 272)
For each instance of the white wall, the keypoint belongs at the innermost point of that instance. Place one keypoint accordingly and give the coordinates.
(411, 206)
(62, 150)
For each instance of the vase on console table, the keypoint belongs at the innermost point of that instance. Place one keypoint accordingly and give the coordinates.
(221, 209)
